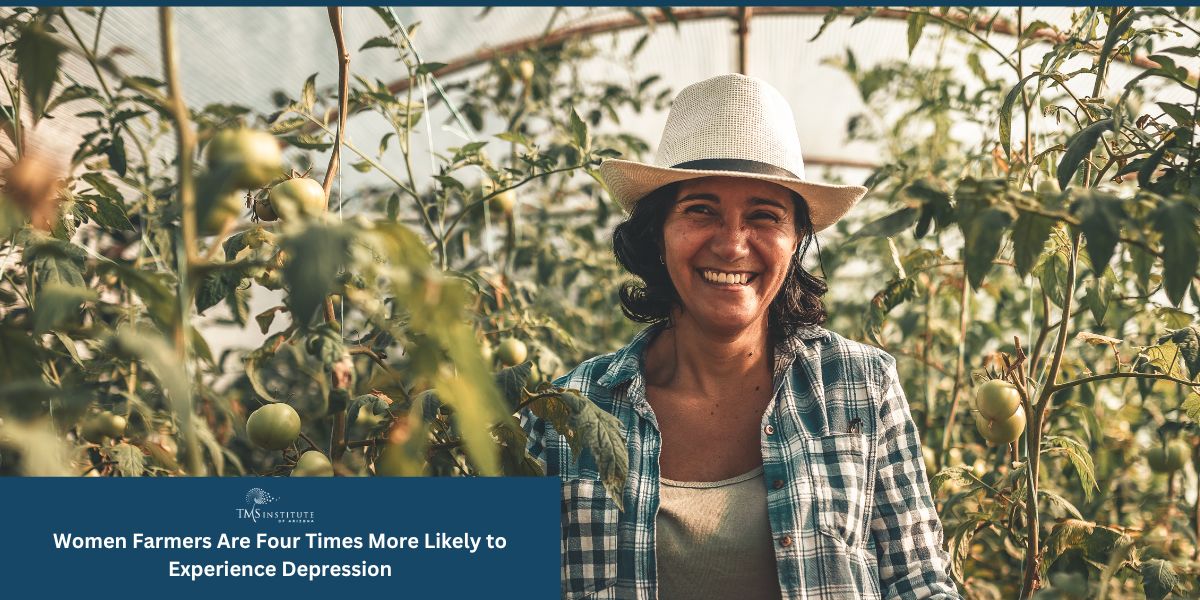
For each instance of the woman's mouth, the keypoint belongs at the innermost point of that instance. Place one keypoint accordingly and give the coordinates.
(725, 278)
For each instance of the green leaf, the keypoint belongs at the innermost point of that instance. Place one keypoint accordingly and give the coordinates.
(130, 462)
(378, 41)
(57, 303)
(916, 23)
(580, 132)
(1191, 406)
(429, 67)
(253, 364)
(308, 94)
(1150, 165)
(317, 254)
(983, 233)
(1078, 148)
(1029, 236)
(1176, 220)
(1078, 455)
(512, 381)
(105, 211)
(37, 58)
(1100, 292)
(588, 427)
(1141, 263)
(1158, 578)
(1052, 273)
(829, 18)
(1100, 216)
(116, 155)
(1006, 109)
(887, 225)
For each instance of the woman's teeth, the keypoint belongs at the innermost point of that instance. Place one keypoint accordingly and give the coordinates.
(726, 278)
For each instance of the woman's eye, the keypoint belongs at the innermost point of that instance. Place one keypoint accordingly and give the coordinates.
(768, 216)
(699, 209)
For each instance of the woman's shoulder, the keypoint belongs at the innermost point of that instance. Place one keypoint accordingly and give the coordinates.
(840, 353)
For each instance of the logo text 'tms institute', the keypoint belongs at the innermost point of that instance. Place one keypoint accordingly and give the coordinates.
(256, 498)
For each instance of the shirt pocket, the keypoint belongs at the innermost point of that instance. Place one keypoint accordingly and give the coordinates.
(838, 466)
(589, 538)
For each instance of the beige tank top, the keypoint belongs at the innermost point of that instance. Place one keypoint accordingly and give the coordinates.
(713, 540)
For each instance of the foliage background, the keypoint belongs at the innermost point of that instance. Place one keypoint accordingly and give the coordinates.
(1024, 165)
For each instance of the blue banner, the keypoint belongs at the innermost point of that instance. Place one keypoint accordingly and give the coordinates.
(298, 538)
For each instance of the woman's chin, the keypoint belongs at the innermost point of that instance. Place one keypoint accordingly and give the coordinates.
(725, 323)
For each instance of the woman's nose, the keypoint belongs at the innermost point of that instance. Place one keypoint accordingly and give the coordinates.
(731, 241)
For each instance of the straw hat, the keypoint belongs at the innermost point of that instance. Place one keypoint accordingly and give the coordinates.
(730, 125)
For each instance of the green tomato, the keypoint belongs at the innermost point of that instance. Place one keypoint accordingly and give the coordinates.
(503, 203)
(512, 352)
(297, 196)
(274, 426)
(1001, 431)
(96, 427)
(313, 463)
(1168, 457)
(245, 158)
(997, 399)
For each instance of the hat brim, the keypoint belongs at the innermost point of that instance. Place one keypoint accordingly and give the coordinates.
(630, 181)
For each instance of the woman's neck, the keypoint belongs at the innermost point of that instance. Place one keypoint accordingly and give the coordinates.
(687, 356)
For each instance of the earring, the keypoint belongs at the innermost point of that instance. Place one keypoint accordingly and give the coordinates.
(662, 260)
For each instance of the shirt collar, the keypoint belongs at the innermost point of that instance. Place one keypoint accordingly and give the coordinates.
(627, 362)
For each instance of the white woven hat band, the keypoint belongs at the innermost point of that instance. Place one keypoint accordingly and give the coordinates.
(732, 117)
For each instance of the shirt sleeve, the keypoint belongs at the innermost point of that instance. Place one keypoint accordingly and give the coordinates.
(905, 524)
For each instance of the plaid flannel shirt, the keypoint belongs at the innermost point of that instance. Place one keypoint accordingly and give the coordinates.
(848, 497)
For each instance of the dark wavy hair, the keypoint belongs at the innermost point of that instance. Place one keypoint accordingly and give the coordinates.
(638, 242)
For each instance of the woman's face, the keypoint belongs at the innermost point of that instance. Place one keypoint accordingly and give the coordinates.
(727, 244)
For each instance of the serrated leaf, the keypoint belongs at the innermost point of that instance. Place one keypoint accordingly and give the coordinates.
(130, 462)
(105, 212)
(1078, 455)
(287, 125)
(1158, 578)
(588, 427)
(1191, 406)
(1078, 148)
(308, 94)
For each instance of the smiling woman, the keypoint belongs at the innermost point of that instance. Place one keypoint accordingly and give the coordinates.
(768, 457)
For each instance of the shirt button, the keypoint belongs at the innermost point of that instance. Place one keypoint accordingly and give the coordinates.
(777, 484)
(769, 430)
(785, 541)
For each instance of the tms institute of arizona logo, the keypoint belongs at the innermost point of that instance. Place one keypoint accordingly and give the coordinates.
(258, 497)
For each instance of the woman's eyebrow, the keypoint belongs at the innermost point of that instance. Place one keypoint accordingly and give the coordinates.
(756, 201)
(701, 196)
